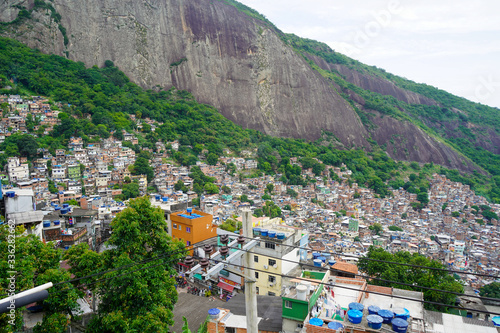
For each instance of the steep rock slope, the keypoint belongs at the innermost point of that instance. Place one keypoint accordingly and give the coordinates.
(226, 59)
(222, 56)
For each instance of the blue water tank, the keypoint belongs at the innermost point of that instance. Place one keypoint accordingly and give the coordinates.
(46, 224)
(323, 259)
(355, 316)
(190, 210)
(10, 194)
(164, 199)
(64, 211)
(272, 234)
(157, 197)
(57, 208)
(316, 322)
(335, 325)
(331, 262)
(56, 222)
(280, 235)
(316, 255)
(496, 320)
(401, 313)
(213, 313)
(317, 262)
(399, 325)
(326, 255)
(374, 321)
(256, 231)
(263, 232)
(373, 309)
(356, 306)
(65, 205)
(387, 315)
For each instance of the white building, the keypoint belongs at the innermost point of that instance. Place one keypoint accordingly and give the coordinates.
(16, 170)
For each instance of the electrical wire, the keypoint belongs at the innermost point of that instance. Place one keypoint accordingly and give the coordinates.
(383, 261)
(373, 278)
(365, 291)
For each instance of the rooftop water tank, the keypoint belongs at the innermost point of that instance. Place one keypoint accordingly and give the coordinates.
(57, 208)
(496, 320)
(401, 313)
(399, 325)
(256, 231)
(272, 234)
(164, 199)
(316, 322)
(65, 205)
(335, 325)
(387, 315)
(263, 232)
(323, 259)
(326, 255)
(317, 262)
(355, 316)
(56, 222)
(214, 313)
(190, 210)
(302, 292)
(356, 306)
(373, 309)
(157, 197)
(331, 262)
(316, 255)
(46, 224)
(280, 235)
(374, 321)
(64, 211)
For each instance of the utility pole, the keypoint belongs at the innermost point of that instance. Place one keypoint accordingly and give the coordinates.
(250, 292)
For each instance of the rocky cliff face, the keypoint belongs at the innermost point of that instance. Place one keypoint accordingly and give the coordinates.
(223, 57)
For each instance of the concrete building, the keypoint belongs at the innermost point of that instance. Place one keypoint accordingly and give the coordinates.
(74, 171)
(17, 171)
(192, 226)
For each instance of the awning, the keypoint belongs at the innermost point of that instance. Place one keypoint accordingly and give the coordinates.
(225, 286)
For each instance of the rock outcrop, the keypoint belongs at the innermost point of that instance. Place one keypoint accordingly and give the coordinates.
(224, 58)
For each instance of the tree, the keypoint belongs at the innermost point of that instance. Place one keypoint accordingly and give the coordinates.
(36, 263)
(395, 228)
(134, 297)
(271, 209)
(266, 197)
(211, 188)
(376, 228)
(269, 188)
(27, 145)
(212, 159)
(423, 197)
(142, 167)
(292, 193)
(491, 290)
(438, 279)
(226, 189)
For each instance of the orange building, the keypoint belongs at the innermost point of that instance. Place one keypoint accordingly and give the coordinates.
(192, 226)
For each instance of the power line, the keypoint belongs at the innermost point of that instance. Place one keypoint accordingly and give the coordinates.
(366, 291)
(384, 261)
(373, 278)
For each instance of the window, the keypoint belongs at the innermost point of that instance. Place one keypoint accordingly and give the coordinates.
(270, 293)
(255, 258)
(272, 262)
(270, 246)
(174, 226)
(188, 229)
(288, 304)
(272, 278)
(180, 227)
(188, 243)
(256, 275)
(257, 290)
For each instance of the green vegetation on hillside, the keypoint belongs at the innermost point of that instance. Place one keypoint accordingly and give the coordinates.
(98, 102)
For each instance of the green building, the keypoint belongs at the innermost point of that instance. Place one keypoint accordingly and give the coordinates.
(353, 225)
(74, 171)
(296, 310)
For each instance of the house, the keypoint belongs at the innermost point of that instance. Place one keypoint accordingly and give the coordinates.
(192, 226)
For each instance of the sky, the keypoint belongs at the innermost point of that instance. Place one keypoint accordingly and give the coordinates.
(453, 45)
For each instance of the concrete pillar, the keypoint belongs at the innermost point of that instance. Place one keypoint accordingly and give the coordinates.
(250, 292)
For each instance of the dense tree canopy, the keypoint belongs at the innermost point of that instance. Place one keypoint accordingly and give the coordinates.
(437, 279)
